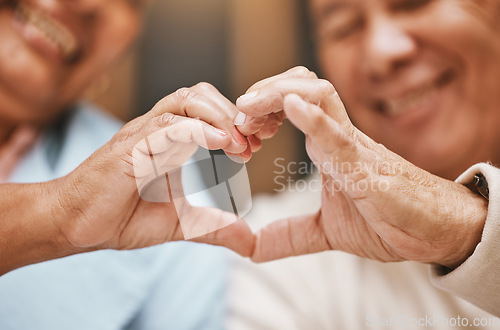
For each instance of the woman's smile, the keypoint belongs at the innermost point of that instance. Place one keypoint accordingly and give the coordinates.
(52, 50)
(47, 33)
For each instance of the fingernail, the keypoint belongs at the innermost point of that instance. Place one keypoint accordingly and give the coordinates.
(240, 119)
(221, 132)
(247, 97)
(247, 153)
(239, 138)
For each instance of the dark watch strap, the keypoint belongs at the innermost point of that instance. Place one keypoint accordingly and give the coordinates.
(482, 185)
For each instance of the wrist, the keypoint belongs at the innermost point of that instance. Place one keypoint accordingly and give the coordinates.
(469, 217)
(62, 212)
(30, 226)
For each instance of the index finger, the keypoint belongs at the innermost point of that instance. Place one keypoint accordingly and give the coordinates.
(270, 98)
(296, 72)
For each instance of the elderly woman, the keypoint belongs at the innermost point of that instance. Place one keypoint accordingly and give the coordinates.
(50, 52)
(421, 78)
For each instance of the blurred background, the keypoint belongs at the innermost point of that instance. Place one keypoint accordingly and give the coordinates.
(229, 43)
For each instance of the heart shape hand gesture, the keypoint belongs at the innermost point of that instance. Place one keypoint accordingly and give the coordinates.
(375, 204)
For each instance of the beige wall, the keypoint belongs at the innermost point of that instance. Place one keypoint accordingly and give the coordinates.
(263, 43)
(263, 40)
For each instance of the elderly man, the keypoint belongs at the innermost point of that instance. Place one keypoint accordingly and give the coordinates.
(421, 78)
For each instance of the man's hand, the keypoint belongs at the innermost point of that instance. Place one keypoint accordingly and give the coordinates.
(263, 102)
(375, 204)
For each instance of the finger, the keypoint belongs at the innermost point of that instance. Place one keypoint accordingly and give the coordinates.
(171, 141)
(238, 144)
(325, 133)
(242, 157)
(266, 126)
(269, 98)
(178, 129)
(272, 126)
(290, 237)
(192, 103)
(182, 129)
(296, 72)
(205, 103)
(236, 236)
(219, 100)
(251, 125)
(255, 143)
(255, 122)
(214, 226)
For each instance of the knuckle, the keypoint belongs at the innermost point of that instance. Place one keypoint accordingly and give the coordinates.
(165, 120)
(258, 121)
(186, 97)
(185, 94)
(278, 90)
(301, 71)
(204, 86)
(128, 131)
(326, 86)
(313, 75)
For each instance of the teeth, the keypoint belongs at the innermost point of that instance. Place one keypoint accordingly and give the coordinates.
(409, 101)
(53, 30)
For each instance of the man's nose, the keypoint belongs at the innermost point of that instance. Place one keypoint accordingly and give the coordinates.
(388, 47)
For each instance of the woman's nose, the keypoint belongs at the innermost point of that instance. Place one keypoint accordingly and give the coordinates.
(387, 48)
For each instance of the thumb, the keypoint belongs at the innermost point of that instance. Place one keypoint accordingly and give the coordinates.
(216, 227)
(290, 237)
(316, 124)
(327, 138)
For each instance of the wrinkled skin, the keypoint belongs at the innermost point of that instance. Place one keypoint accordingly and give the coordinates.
(375, 204)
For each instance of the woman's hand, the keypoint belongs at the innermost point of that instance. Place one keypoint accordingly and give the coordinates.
(375, 204)
(99, 202)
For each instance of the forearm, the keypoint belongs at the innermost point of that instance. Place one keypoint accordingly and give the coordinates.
(28, 225)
